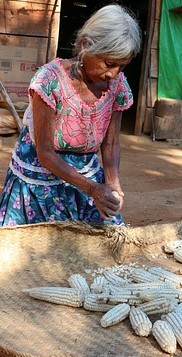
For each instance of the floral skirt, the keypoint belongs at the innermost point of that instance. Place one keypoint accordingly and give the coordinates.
(32, 194)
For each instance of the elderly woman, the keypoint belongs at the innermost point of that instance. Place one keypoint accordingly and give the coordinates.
(75, 111)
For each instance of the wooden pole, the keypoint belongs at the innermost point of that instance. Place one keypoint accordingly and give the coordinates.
(11, 107)
(141, 106)
(50, 30)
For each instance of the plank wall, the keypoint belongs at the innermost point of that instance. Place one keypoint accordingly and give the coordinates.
(147, 94)
(151, 93)
(31, 24)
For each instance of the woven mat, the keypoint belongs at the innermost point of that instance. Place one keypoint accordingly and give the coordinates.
(46, 255)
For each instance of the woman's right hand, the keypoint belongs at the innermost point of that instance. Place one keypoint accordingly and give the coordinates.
(106, 203)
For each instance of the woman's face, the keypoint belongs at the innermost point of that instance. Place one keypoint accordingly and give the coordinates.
(97, 69)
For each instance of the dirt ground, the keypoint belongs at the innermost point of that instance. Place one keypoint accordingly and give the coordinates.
(151, 177)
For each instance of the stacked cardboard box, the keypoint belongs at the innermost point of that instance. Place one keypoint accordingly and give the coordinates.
(29, 33)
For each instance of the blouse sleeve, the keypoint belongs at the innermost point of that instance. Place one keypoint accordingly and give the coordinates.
(124, 96)
(46, 84)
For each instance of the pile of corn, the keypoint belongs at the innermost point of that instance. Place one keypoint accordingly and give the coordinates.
(127, 292)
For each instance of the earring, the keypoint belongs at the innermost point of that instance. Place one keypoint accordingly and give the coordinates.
(80, 61)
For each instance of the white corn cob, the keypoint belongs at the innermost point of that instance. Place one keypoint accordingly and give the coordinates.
(140, 321)
(175, 321)
(117, 314)
(178, 255)
(170, 247)
(134, 302)
(179, 309)
(164, 335)
(57, 295)
(115, 194)
(136, 288)
(159, 306)
(151, 294)
(119, 289)
(140, 275)
(77, 281)
(114, 278)
(99, 285)
(91, 304)
(167, 276)
(115, 298)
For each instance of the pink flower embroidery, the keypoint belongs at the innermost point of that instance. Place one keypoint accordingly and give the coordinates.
(74, 132)
(45, 77)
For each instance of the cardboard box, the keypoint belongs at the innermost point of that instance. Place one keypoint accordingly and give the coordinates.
(17, 67)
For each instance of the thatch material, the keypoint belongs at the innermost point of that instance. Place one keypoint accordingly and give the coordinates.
(46, 255)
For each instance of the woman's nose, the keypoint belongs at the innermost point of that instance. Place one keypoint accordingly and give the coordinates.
(112, 72)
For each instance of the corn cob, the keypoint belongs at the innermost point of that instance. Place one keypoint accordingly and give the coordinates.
(114, 278)
(158, 306)
(117, 314)
(164, 335)
(91, 304)
(99, 285)
(170, 247)
(175, 321)
(178, 254)
(77, 281)
(136, 288)
(116, 194)
(151, 294)
(140, 275)
(116, 298)
(140, 321)
(166, 276)
(118, 289)
(57, 295)
(179, 309)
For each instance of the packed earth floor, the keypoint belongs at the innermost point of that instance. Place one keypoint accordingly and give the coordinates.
(151, 178)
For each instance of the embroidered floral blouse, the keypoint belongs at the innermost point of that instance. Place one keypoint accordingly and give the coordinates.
(80, 127)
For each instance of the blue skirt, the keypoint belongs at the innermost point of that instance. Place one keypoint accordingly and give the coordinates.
(32, 194)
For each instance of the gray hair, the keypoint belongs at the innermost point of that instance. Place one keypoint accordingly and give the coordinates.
(111, 32)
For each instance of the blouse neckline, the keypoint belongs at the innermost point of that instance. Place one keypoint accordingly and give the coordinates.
(70, 90)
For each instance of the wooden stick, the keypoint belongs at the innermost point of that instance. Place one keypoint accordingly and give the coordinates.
(141, 105)
(11, 107)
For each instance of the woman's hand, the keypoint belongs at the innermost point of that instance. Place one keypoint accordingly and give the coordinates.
(120, 195)
(106, 201)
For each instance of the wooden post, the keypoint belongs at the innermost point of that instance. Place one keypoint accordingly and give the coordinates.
(11, 107)
(50, 29)
(141, 106)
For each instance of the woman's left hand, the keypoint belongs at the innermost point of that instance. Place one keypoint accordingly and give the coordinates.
(117, 191)
(105, 199)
